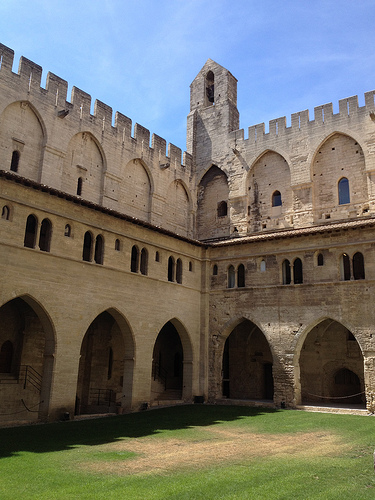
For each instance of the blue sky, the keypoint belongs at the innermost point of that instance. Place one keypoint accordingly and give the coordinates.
(140, 56)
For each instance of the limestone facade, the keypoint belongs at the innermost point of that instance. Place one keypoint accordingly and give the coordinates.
(133, 274)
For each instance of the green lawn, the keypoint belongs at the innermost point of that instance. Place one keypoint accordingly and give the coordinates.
(192, 452)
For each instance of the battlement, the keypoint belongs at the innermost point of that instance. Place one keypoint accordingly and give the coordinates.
(348, 110)
(29, 79)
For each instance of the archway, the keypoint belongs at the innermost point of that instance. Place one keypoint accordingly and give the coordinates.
(331, 366)
(105, 375)
(247, 364)
(27, 346)
(170, 361)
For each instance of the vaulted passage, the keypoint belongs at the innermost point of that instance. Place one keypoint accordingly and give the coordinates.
(105, 375)
(167, 365)
(247, 364)
(331, 366)
(26, 349)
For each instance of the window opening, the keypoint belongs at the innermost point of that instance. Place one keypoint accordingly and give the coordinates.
(179, 271)
(87, 247)
(320, 259)
(5, 213)
(67, 231)
(99, 249)
(262, 266)
(110, 363)
(286, 272)
(171, 269)
(231, 277)
(134, 259)
(241, 276)
(30, 232)
(210, 87)
(6, 357)
(117, 245)
(45, 235)
(79, 186)
(190, 266)
(297, 271)
(215, 270)
(345, 267)
(15, 161)
(358, 266)
(157, 256)
(222, 209)
(276, 199)
(344, 195)
(144, 262)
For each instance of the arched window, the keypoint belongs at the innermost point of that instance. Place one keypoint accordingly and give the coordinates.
(30, 232)
(231, 277)
(67, 231)
(99, 249)
(144, 262)
(5, 213)
(262, 266)
(358, 266)
(222, 209)
(276, 199)
(344, 195)
(79, 186)
(214, 270)
(6, 357)
(15, 161)
(345, 267)
(171, 266)
(179, 271)
(87, 247)
(241, 276)
(297, 271)
(134, 262)
(286, 272)
(117, 245)
(320, 259)
(210, 87)
(45, 235)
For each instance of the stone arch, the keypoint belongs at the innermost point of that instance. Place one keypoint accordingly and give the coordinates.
(136, 190)
(84, 166)
(269, 174)
(324, 348)
(244, 362)
(170, 380)
(27, 325)
(23, 131)
(213, 189)
(338, 156)
(105, 374)
(177, 211)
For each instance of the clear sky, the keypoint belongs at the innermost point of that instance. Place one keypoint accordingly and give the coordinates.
(140, 56)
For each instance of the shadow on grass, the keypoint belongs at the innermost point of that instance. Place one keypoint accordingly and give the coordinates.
(65, 435)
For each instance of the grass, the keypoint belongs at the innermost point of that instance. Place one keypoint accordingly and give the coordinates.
(192, 452)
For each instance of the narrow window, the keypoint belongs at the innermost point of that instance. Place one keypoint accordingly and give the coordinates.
(241, 276)
(67, 231)
(179, 271)
(214, 270)
(157, 256)
(5, 213)
(210, 87)
(276, 199)
(110, 363)
(190, 266)
(286, 272)
(134, 263)
(171, 266)
(320, 259)
(262, 266)
(15, 161)
(344, 195)
(117, 245)
(87, 247)
(297, 271)
(6, 357)
(358, 266)
(231, 277)
(222, 209)
(144, 262)
(79, 186)
(45, 235)
(30, 232)
(99, 249)
(345, 267)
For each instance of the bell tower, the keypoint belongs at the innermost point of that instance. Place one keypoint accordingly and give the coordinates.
(213, 114)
